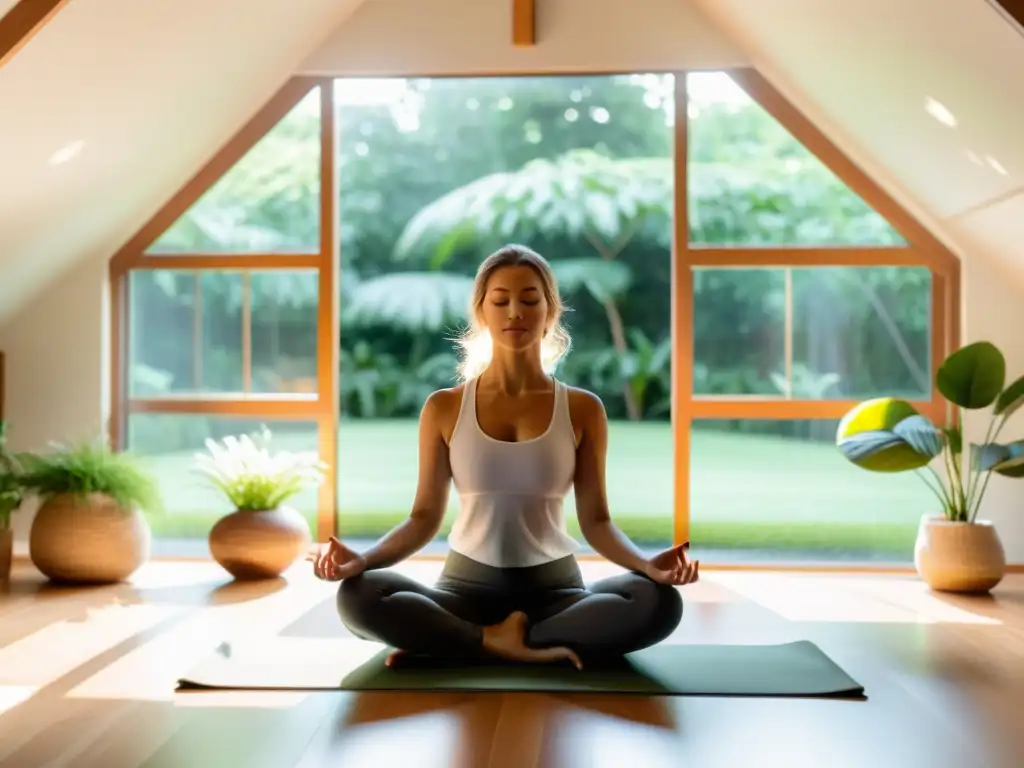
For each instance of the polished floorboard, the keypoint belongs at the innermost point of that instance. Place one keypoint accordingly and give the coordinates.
(87, 678)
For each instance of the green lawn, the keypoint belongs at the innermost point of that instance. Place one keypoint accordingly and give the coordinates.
(747, 491)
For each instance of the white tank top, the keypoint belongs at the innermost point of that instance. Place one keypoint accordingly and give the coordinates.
(511, 494)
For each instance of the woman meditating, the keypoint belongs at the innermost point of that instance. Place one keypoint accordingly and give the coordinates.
(514, 440)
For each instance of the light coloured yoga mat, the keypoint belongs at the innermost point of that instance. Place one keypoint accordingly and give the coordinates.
(331, 664)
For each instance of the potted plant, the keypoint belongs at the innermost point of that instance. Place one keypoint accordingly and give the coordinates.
(90, 527)
(10, 501)
(954, 551)
(262, 537)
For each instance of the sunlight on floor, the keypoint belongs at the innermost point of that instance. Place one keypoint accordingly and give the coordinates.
(849, 599)
(13, 695)
(172, 573)
(151, 671)
(55, 650)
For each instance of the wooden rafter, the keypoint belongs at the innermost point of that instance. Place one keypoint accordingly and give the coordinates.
(1012, 10)
(23, 22)
(524, 22)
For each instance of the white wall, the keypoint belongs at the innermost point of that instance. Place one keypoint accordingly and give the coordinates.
(58, 367)
(994, 311)
(58, 348)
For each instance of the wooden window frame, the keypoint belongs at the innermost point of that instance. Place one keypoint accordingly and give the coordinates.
(922, 249)
(22, 22)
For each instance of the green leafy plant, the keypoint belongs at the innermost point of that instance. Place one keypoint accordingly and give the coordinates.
(252, 477)
(10, 481)
(889, 435)
(88, 468)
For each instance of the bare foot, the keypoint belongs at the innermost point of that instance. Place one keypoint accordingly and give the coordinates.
(394, 657)
(508, 640)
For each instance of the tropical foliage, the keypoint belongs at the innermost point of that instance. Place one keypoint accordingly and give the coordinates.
(889, 435)
(435, 173)
(442, 171)
(86, 468)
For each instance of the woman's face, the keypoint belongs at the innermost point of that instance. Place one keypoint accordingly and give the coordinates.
(514, 309)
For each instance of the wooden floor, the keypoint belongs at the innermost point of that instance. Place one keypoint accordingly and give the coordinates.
(87, 676)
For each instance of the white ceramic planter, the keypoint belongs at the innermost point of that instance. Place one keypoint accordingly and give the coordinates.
(959, 557)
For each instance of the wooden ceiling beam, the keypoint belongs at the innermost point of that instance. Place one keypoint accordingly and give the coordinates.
(1012, 10)
(23, 22)
(524, 23)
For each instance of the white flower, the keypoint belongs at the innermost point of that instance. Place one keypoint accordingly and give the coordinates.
(254, 478)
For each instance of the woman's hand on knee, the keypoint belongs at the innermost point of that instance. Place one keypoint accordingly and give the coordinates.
(337, 562)
(673, 567)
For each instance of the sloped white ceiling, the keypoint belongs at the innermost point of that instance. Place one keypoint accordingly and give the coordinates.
(927, 93)
(147, 90)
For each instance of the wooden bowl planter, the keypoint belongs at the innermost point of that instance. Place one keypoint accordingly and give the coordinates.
(955, 556)
(89, 528)
(259, 544)
(89, 539)
(263, 537)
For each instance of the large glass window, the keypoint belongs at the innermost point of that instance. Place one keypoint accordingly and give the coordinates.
(268, 202)
(725, 347)
(220, 332)
(751, 183)
(771, 490)
(223, 321)
(813, 333)
(787, 334)
(435, 174)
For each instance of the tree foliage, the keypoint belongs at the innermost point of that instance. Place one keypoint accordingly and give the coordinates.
(581, 169)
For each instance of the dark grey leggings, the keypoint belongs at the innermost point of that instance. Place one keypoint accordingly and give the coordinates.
(611, 617)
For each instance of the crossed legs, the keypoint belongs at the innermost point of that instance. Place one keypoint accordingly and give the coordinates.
(612, 617)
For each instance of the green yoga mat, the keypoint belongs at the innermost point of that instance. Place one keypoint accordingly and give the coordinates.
(332, 664)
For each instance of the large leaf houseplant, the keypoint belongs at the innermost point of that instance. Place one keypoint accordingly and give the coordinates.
(955, 550)
(263, 536)
(91, 524)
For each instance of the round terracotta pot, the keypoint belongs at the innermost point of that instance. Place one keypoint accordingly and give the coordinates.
(90, 539)
(959, 557)
(259, 544)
